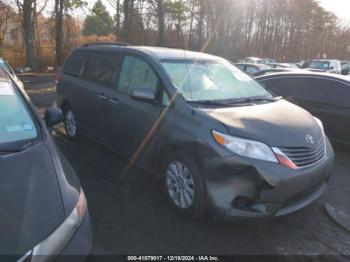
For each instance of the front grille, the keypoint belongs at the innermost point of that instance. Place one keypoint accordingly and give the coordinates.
(303, 156)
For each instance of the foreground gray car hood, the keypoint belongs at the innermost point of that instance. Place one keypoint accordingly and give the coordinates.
(279, 124)
(30, 200)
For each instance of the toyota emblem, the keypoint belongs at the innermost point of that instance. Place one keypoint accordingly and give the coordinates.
(310, 139)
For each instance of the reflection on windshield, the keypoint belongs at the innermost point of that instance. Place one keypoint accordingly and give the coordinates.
(15, 121)
(211, 80)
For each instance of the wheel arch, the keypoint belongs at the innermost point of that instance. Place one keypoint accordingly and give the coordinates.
(161, 155)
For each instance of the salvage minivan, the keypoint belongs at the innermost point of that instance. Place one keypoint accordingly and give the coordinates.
(220, 143)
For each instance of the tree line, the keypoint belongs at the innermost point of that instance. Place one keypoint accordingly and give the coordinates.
(287, 30)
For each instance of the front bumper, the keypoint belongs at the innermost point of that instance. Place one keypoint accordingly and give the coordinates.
(246, 188)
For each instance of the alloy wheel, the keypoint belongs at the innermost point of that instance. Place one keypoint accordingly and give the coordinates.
(180, 184)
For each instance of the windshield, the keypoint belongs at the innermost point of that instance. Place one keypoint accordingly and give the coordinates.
(322, 65)
(212, 80)
(16, 125)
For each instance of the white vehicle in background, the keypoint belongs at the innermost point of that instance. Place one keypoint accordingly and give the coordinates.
(8, 69)
(257, 60)
(325, 65)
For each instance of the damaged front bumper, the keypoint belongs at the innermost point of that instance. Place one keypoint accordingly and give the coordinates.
(245, 188)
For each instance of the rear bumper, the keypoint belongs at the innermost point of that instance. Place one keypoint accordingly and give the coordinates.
(268, 189)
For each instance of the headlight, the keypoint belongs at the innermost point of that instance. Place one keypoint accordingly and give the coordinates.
(319, 122)
(245, 147)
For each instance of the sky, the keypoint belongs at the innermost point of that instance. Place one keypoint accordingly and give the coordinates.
(340, 7)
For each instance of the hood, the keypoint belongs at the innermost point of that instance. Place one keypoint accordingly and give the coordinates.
(278, 124)
(30, 201)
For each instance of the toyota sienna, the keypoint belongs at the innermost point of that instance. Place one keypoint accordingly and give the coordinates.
(220, 143)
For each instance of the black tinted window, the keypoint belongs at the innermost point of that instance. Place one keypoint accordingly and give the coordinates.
(102, 68)
(75, 63)
(330, 91)
(293, 86)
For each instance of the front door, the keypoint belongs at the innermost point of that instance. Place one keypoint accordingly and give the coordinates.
(133, 120)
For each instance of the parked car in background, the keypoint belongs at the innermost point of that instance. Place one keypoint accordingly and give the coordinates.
(43, 210)
(324, 65)
(272, 71)
(257, 60)
(324, 95)
(345, 67)
(251, 69)
(4, 65)
(284, 65)
(193, 119)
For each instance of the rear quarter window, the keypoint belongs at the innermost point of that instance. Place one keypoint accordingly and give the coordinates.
(75, 63)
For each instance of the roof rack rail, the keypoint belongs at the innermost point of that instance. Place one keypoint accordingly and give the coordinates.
(106, 44)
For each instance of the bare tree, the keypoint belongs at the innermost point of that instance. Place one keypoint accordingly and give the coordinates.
(26, 9)
(59, 5)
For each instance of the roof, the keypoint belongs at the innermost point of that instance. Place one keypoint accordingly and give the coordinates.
(325, 60)
(307, 73)
(262, 66)
(157, 52)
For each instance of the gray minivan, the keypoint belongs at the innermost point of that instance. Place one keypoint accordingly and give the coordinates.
(221, 144)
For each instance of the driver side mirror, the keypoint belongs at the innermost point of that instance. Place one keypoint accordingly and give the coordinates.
(53, 116)
(144, 94)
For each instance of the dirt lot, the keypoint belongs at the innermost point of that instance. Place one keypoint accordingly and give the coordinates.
(133, 217)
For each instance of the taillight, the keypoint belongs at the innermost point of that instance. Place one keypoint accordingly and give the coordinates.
(57, 77)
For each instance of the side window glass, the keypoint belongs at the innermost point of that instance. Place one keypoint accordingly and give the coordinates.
(135, 73)
(75, 63)
(102, 68)
(296, 87)
(332, 92)
(241, 67)
(251, 70)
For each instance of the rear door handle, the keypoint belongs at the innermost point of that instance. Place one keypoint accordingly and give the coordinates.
(102, 97)
(114, 101)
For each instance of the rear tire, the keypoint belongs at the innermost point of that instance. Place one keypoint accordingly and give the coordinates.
(70, 123)
(183, 185)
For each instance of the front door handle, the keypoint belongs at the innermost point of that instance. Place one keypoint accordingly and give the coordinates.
(102, 96)
(114, 101)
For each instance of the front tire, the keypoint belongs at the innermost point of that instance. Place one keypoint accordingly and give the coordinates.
(70, 123)
(183, 185)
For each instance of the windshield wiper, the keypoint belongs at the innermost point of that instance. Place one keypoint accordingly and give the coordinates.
(228, 102)
(8, 151)
(211, 102)
(255, 99)
(15, 149)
